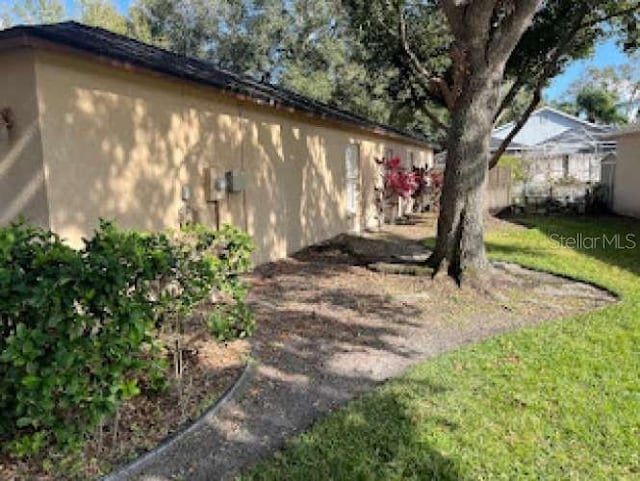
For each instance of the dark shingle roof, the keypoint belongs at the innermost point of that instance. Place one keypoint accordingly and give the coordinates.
(98, 41)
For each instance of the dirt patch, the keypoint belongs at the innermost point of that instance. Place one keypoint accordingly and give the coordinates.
(330, 328)
(332, 296)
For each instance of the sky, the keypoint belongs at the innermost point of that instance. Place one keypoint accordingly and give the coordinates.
(606, 54)
(121, 5)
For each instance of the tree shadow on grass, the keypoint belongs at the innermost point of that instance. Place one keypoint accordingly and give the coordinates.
(509, 250)
(374, 438)
(494, 248)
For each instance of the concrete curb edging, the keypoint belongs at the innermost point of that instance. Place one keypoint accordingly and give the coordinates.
(136, 466)
(560, 275)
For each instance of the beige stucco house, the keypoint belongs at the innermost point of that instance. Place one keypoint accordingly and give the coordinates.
(626, 172)
(99, 125)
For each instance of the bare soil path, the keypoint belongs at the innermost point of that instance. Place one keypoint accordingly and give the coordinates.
(329, 328)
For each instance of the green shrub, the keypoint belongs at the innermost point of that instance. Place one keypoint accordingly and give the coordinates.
(228, 322)
(77, 326)
(518, 167)
(209, 260)
(208, 270)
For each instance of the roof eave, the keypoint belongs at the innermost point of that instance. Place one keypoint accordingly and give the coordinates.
(632, 130)
(26, 36)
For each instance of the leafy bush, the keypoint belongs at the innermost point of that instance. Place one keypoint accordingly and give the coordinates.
(76, 326)
(208, 268)
(228, 322)
(568, 181)
(519, 167)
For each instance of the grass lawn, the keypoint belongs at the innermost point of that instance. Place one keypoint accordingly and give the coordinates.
(559, 401)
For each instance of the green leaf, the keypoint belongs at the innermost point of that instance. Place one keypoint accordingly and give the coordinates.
(30, 381)
(23, 422)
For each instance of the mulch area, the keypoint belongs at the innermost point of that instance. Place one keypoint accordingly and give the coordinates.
(330, 328)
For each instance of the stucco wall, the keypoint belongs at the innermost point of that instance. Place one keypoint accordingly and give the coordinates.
(22, 184)
(626, 192)
(120, 144)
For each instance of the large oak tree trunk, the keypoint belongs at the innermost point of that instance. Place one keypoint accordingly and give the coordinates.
(460, 243)
(485, 33)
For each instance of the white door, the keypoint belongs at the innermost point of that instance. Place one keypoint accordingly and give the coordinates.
(352, 159)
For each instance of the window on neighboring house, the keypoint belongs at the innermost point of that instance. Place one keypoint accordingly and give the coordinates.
(565, 166)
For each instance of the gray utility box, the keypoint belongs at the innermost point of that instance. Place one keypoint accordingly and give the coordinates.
(236, 181)
(215, 187)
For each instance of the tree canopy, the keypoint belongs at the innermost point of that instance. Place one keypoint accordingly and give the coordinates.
(100, 13)
(599, 106)
(311, 47)
(413, 33)
(608, 94)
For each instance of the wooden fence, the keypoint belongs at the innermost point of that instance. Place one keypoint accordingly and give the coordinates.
(499, 189)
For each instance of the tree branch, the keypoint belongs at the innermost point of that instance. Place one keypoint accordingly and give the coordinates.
(513, 26)
(517, 86)
(424, 107)
(431, 115)
(550, 66)
(495, 158)
(507, 99)
(435, 85)
(454, 14)
(604, 18)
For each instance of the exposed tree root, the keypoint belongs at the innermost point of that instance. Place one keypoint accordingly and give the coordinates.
(403, 269)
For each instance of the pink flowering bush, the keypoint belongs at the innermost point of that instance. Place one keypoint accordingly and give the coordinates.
(397, 180)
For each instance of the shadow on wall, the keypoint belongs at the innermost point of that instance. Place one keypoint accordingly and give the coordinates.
(124, 152)
(22, 189)
(112, 156)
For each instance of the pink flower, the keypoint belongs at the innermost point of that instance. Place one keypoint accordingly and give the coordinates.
(401, 183)
(393, 163)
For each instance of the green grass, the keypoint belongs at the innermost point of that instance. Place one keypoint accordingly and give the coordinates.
(559, 401)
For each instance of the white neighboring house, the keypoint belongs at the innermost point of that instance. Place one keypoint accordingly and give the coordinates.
(626, 171)
(559, 147)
